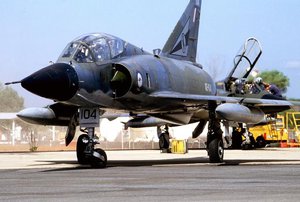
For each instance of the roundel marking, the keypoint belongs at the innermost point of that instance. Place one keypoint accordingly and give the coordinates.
(139, 79)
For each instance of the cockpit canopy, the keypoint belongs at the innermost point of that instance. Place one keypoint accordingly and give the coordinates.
(95, 47)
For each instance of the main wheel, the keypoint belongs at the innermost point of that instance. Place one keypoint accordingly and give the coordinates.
(99, 159)
(82, 143)
(260, 142)
(164, 141)
(248, 146)
(216, 151)
(237, 139)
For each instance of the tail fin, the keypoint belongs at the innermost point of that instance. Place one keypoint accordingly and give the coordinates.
(182, 43)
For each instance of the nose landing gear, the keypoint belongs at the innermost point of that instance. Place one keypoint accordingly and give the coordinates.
(85, 150)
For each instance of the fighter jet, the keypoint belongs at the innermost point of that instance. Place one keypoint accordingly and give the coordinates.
(99, 73)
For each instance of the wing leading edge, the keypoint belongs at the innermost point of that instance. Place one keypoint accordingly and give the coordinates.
(187, 99)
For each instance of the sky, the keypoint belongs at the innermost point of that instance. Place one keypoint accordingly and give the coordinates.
(34, 32)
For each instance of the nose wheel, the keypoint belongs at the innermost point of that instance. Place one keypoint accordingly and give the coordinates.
(99, 159)
(81, 146)
(88, 154)
(86, 151)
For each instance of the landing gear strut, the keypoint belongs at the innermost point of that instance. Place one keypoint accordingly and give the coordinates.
(215, 145)
(237, 138)
(164, 138)
(249, 142)
(85, 150)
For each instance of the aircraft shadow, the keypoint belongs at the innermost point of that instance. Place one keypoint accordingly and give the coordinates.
(130, 163)
(201, 161)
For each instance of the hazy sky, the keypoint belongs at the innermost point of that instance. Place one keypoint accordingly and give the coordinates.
(34, 32)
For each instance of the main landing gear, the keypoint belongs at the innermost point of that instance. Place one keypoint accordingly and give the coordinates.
(248, 142)
(215, 145)
(85, 150)
(164, 138)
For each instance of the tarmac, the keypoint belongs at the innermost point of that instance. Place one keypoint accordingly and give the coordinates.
(67, 159)
(271, 174)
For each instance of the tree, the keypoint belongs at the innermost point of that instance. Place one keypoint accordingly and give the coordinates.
(215, 68)
(10, 101)
(277, 78)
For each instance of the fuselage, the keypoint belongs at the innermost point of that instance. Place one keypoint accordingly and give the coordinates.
(105, 71)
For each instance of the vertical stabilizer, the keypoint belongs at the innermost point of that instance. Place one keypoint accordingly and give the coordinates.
(182, 43)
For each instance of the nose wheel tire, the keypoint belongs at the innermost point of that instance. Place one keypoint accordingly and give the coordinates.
(98, 159)
(82, 143)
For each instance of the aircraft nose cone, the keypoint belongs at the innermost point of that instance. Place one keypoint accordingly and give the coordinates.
(58, 81)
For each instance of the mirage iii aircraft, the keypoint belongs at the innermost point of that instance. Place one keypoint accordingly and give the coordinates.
(99, 73)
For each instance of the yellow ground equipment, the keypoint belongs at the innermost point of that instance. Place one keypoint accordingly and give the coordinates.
(179, 146)
(284, 130)
(292, 125)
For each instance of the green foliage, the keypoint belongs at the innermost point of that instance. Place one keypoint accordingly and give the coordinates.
(277, 78)
(294, 99)
(33, 149)
(10, 101)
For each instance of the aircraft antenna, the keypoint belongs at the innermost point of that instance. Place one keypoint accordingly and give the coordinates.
(13, 82)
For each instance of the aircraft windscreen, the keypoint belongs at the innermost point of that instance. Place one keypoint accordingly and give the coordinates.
(70, 50)
(94, 48)
(79, 51)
